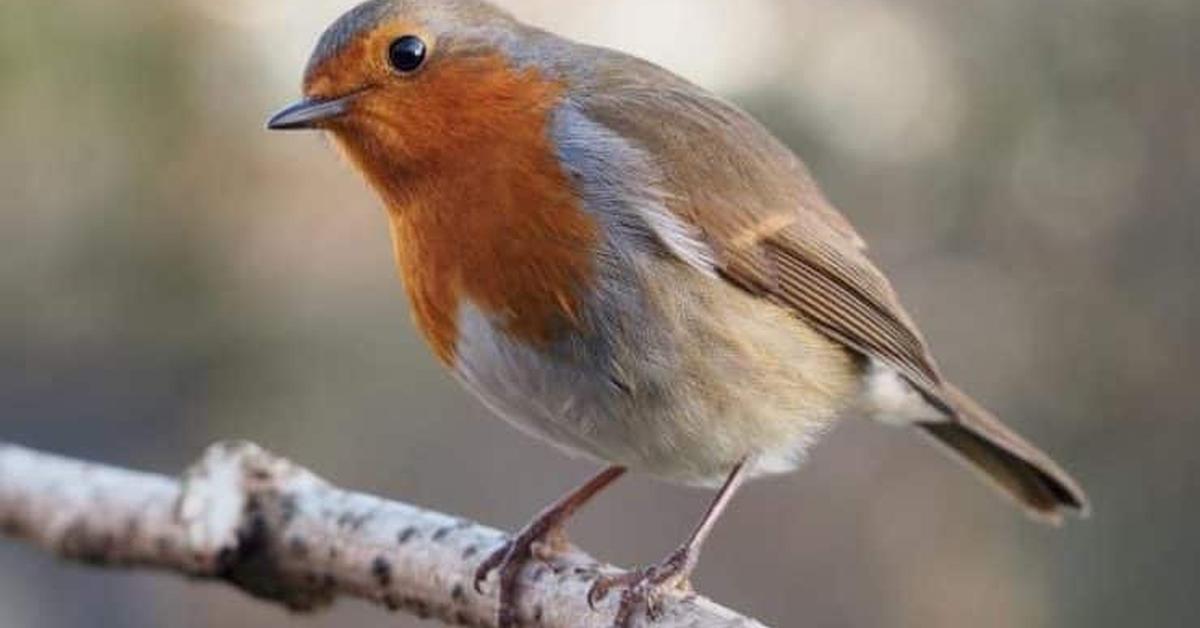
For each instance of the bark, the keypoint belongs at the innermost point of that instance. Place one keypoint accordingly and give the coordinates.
(280, 533)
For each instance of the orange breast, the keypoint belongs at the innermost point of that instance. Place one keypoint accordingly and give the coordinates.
(480, 207)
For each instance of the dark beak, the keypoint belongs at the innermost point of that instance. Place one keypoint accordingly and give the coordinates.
(309, 114)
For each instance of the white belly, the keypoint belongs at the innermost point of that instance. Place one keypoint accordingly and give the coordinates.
(678, 375)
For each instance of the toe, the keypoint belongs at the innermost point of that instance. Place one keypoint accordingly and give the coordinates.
(510, 580)
(507, 618)
(605, 584)
(644, 591)
(598, 592)
(493, 561)
(630, 603)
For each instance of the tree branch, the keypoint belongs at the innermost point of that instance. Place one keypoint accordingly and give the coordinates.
(280, 533)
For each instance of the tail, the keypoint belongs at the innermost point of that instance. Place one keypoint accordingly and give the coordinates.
(1013, 465)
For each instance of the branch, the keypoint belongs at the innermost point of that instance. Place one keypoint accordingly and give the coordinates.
(280, 533)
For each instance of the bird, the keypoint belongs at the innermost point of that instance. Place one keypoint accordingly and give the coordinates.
(629, 267)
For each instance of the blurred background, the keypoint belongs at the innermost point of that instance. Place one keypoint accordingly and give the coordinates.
(1028, 173)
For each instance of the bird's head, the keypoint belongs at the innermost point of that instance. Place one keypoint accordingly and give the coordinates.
(409, 86)
(447, 107)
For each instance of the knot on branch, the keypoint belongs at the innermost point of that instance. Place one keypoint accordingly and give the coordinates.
(235, 504)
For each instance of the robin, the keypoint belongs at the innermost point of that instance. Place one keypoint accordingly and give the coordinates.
(629, 267)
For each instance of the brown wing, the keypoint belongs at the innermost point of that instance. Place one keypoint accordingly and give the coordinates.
(774, 234)
(771, 229)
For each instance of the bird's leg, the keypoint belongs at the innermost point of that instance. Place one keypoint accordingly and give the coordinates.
(644, 587)
(511, 557)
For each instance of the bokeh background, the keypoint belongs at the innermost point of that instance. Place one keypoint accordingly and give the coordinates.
(1028, 173)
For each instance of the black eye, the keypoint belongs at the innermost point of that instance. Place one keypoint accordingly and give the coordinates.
(407, 53)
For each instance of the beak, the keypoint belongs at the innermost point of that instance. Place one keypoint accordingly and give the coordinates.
(309, 114)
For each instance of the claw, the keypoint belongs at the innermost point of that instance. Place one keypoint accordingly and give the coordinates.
(489, 565)
(597, 593)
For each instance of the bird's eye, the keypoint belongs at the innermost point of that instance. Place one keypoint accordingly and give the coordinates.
(407, 53)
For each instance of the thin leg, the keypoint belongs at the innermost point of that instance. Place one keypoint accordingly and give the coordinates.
(645, 587)
(511, 557)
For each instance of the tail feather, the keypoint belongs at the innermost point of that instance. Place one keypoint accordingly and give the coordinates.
(1010, 462)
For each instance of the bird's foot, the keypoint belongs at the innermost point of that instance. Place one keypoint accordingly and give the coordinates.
(645, 588)
(539, 539)
(542, 538)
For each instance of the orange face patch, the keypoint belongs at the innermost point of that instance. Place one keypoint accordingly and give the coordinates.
(480, 206)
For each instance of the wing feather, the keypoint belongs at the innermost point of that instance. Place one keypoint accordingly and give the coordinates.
(755, 204)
